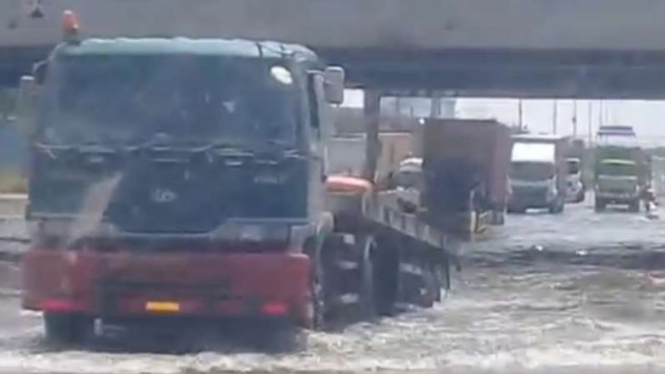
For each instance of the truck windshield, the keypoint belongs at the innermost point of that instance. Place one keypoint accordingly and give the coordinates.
(623, 169)
(408, 179)
(124, 99)
(573, 166)
(531, 171)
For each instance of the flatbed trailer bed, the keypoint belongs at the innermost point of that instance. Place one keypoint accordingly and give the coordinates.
(410, 259)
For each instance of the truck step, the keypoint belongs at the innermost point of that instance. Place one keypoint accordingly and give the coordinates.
(347, 265)
(348, 299)
(349, 239)
(410, 269)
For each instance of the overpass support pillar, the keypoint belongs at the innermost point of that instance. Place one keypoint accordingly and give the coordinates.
(371, 111)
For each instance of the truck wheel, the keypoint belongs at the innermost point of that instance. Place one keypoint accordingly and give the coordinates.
(498, 217)
(386, 279)
(517, 210)
(600, 205)
(317, 296)
(557, 207)
(68, 328)
(634, 206)
(316, 305)
(437, 284)
(432, 286)
(277, 336)
(367, 302)
(580, 197)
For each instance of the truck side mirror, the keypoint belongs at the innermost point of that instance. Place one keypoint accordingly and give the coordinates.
(334, 84)
(39, 72)
(26, 103)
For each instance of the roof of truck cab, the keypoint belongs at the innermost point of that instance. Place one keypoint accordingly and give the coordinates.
(617, 161)
(209, 47)
(538, 137)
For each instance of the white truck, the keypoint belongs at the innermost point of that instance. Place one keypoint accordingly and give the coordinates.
(537, 173)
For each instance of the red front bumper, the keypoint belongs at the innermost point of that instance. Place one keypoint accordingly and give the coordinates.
(130, 284)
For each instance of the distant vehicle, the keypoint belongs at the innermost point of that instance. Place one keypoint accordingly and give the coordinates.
(408, 183)
(466, 165)
(624, 136)
(621, 176)
(538, 173)
(574, 187)
(627, 131)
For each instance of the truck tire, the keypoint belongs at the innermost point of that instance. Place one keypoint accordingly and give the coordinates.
(557, 206)
(318, 283)
(498, 217)
(386, 278)
(68, 328)
(367, 297)
(517, 210)
(432, 286)
(600, 205)
(317, 295)
(580, 197)
(634, 206)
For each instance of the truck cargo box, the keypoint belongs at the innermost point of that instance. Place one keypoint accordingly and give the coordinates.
(462, 155)
(346, 155)
(561, 146)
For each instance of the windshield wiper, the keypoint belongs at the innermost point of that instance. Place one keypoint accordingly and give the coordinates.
(158, 140)
(217, 145)
(53, 149)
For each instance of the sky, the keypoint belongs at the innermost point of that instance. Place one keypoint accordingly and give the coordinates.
(646, 117)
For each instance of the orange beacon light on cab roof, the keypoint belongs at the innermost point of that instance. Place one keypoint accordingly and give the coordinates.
(70, 25)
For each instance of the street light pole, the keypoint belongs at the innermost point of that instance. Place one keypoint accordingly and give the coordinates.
(574, 118)
(520, 113)
(555, 115)
(590, 121)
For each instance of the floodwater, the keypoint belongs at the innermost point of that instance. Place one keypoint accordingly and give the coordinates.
(577, 292)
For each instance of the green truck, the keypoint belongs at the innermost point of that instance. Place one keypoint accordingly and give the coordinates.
(621, 175)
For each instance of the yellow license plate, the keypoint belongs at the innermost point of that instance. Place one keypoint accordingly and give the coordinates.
(162, 306)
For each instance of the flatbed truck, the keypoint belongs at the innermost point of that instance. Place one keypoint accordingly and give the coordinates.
(183, 178)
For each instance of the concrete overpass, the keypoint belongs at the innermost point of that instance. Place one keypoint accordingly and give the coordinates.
(527, 48)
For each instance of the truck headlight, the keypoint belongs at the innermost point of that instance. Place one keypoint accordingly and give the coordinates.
(48, 228)
(70, 230)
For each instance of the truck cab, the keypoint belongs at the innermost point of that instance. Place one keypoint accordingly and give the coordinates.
(617, 182)
(574, 186)
(174, 177)
(537, 174)
(621, 172)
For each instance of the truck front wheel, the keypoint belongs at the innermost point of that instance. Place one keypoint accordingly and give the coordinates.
(367, 294)
(556, 207)
(634, 206)
(68, 328)
(580, 197)
(600, 205)
(317, 298)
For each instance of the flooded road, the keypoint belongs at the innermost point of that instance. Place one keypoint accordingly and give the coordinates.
(578, 292)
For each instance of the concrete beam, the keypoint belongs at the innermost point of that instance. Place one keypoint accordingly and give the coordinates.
(527, 48)
(615, 25)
